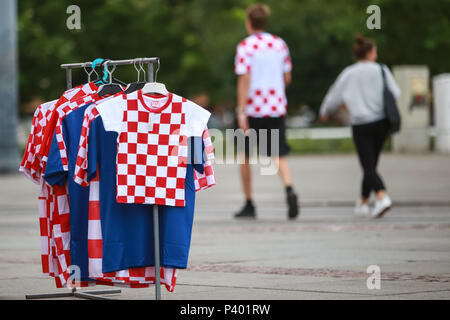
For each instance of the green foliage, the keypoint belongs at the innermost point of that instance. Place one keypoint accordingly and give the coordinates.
(196, 41)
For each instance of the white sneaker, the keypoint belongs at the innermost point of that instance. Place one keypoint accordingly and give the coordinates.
(361, 209)
(381, 207)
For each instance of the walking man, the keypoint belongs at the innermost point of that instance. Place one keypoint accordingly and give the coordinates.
(263, 67)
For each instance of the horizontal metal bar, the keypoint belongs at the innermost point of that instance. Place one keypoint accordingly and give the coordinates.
(49, 295)
(90, 296)
(111, 62)
(114, 291)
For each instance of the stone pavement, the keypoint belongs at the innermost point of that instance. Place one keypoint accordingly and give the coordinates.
(322, 255)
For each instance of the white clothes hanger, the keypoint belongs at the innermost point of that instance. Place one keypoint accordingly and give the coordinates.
(155, 87)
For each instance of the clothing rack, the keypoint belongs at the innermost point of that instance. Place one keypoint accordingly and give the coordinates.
(148, 61)
(96, 295)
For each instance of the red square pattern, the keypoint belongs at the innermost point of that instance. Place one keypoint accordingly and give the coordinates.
(151, 155)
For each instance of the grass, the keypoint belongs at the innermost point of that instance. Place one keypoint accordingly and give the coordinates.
(326, 146)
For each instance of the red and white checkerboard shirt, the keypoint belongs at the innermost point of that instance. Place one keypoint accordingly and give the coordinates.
(59, 219)
(266, 58)
(152, 145)
(202, 181)
(31, 168)
(53, 201)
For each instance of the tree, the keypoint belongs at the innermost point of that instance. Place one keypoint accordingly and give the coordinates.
(196, 41)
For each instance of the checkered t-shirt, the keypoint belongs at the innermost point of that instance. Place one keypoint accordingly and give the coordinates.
(152, 149)
(266, 58)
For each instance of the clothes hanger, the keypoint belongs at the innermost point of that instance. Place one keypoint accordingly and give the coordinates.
(89, 73)
(99, 61)
(110, 87)
(136, 85)
(155, 87)
(106, 73)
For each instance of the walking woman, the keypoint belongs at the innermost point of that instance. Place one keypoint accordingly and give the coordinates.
(360, 88)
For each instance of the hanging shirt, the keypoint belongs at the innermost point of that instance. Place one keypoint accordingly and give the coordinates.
(53, 201)
(55, 173)
(57, 210)
(126, 239)
(203, 178)
(75, 229)
(266, 58)
(152, 145)
(59, 215)
(80, 205)
(31, 168)
(127, 228)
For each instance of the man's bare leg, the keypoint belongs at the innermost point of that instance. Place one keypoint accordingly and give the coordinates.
(284, 171)
(246, 178)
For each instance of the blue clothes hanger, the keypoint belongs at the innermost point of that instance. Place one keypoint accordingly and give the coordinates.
(100, 61)
(109, 88)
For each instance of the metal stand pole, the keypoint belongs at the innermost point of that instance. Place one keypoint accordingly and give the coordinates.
(69, 78)
(150, 72)
(157, 261)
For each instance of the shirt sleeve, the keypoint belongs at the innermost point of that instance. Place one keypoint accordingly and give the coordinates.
(55, 172)
(48, 131)
(83, 165)
(196, 119)
(205, 179)
(195, 153)
(242, 59)
(111, 111)
(287, 62)
(392, 85)
(29, 154)
(94, 149)
(334, 96)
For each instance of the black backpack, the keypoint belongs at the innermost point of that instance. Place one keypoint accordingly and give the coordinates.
(390, 106)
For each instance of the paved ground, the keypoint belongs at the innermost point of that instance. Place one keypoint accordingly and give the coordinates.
(322, 255)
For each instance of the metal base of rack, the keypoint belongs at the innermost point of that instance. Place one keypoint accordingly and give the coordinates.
(93, 295)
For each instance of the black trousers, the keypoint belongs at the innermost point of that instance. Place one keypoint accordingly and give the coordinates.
(369, 140)
(269, 124)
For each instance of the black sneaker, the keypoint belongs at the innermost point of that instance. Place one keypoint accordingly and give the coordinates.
(248, 211)
(294, 208)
